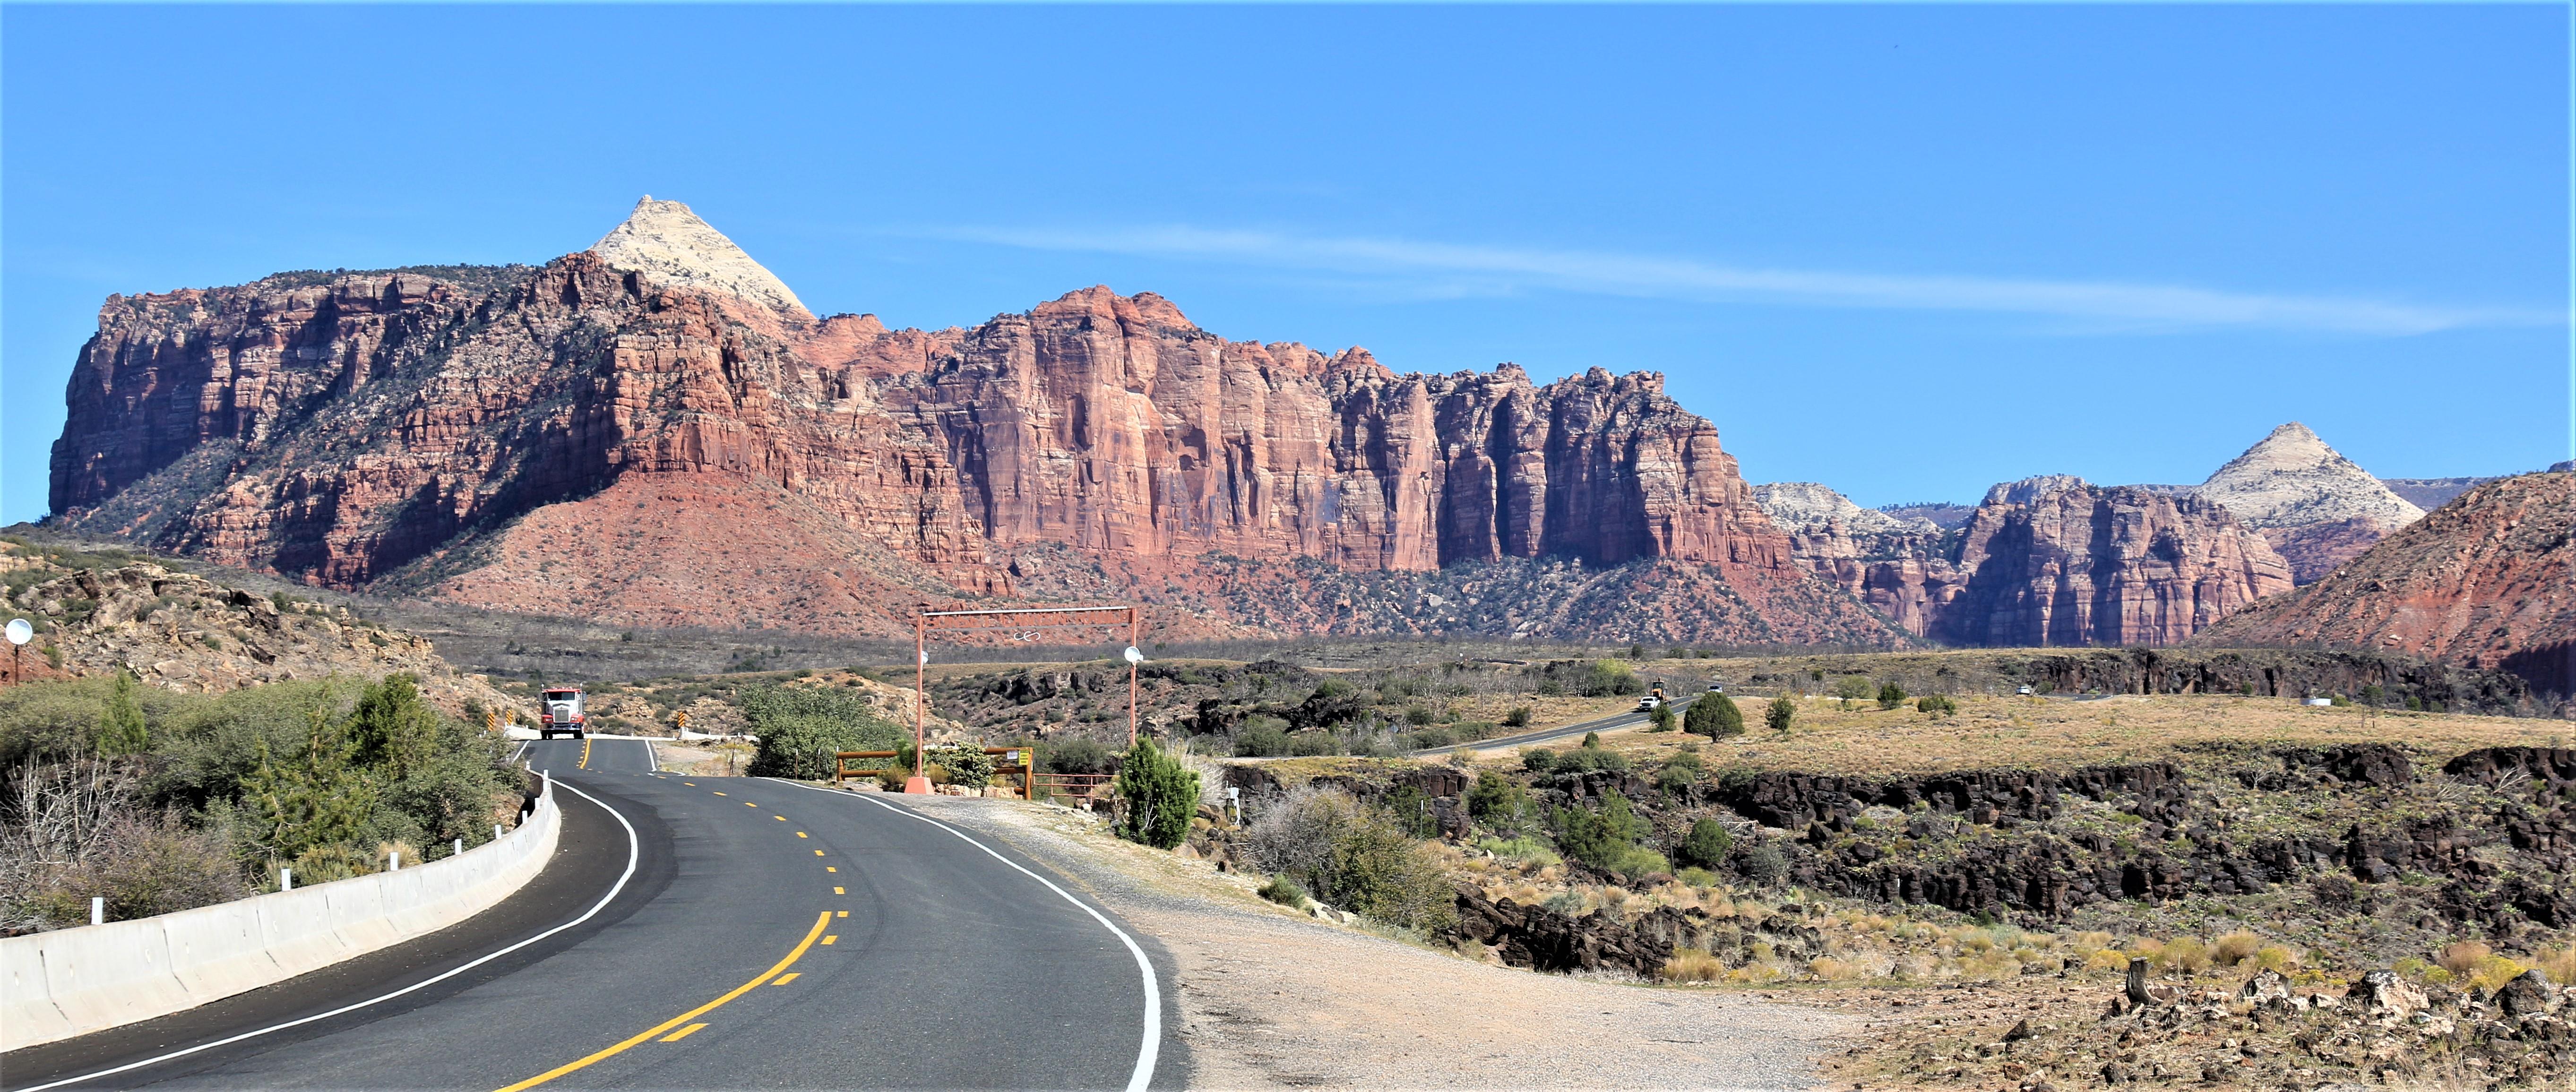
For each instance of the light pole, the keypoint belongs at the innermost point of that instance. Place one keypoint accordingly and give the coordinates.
(21, 632)
(919, 783)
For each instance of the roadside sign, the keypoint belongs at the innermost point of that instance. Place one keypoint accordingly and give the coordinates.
(20, 632)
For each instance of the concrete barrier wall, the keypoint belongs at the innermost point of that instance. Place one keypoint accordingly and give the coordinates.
(75, 981)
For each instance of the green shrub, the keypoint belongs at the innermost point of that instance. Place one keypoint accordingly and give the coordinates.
(1260, 740)
(1537, 759)
(1592, 739)
(1581, 759)
(1354, 857)
(1418, 715)
(1519, 717)
(1611, 678)
(1601, 837)
(1938, 705)
(1497, 801)
(1674, 779)
(1852, 688)
(1890, 696)
(968, 766)
(1285, 892)
(1707, 844)
(801, 728)
(121, 730)
(1697, 877)
(1308, 744)
(1660, 719)
(1076, 756)
(1715, 716)
(1764, 864)
(1782, 714)
(1161, 796)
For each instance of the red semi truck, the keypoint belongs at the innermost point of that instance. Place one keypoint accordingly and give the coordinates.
(562, 713)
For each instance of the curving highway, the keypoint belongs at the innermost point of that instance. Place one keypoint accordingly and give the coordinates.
(700, 933)
(1613, 722)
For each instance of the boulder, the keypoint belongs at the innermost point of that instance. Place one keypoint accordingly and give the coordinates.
(2383, 995)
(2529, 994)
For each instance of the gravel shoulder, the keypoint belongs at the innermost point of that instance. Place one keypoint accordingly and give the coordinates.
(1274, 999)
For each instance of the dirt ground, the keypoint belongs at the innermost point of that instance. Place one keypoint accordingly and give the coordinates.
(1273, 999)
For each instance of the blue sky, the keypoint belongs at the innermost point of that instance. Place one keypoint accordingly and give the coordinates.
(1906, 251)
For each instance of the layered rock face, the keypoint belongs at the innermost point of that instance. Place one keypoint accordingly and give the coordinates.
(2317, 508)
(1905, 569)
(2488, 580)
(656, 432)
(2093, 565)
(2048, 560)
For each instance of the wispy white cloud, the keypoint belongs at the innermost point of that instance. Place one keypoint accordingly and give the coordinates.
(1461, 268)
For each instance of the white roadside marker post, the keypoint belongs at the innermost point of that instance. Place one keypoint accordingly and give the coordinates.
(286, 879)
(97, 910)
(496, 832)
(393, 861)
(460, 848)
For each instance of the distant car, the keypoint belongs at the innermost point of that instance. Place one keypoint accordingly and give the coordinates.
(1649, 703)
(2024, 691)
(1717, 688)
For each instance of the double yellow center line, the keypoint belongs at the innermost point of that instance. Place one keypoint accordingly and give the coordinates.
(665, 1027)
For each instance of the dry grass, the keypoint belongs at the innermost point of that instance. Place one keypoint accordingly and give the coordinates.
(2063, 733)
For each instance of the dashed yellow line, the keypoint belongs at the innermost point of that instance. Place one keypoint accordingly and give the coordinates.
(665, 1027)
(585, 753)
(838, 891)
(683, 1033)
(786, 978)
(800, 834)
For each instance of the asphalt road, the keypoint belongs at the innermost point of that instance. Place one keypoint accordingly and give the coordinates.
(1629, 719)
(760, 934)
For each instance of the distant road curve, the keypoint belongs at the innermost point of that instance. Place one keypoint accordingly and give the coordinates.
(1629, 719)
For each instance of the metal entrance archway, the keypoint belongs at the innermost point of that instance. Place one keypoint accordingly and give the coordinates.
(1008, 618)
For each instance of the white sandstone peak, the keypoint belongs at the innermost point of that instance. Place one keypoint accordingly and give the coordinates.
(2292, 479)
(1805, 506)
(666, 242)
(2029, 490)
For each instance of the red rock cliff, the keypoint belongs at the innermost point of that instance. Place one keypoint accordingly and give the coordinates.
(2104, 566)
(581, 437)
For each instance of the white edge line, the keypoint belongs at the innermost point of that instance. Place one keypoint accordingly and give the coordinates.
(632, 849)
(1153, 1046)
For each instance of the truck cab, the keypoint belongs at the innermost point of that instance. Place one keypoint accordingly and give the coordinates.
(561, 713)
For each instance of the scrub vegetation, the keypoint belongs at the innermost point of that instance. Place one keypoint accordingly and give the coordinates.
(158, 801)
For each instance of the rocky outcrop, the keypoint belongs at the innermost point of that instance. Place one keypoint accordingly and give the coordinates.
(655, 432)
(2047, 560)
(183, 632)
(1905, 569)
(2317, 508)
(2488, 580)
(2085, 564)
